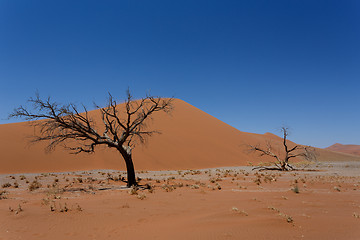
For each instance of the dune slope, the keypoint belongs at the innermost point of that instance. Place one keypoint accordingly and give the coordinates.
(345, 148)
(190, 139)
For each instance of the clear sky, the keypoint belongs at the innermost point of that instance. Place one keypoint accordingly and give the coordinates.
(256, 65)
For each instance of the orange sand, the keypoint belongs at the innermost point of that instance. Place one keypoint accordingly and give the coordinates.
(327, 206)
(190, 139)
(350, 149)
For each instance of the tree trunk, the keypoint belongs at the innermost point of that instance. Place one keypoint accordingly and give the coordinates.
(284, 166)
(125, 152)
(130, 170)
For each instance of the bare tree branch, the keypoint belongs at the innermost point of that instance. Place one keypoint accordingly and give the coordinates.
(282, 164)
(123, 125)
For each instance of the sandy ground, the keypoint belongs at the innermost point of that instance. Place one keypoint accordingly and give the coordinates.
(221, 203)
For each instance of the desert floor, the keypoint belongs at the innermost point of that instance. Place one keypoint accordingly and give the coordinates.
(219, 203)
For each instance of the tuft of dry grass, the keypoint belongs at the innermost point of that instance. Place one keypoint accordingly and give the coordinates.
(17, 211)
(6, 185)
(3, 194)
(34, 185)
(64, 208)
(126, 205)
(242, 212)
(194, 186)
(295, 189)
(133, 190)
(141, 196)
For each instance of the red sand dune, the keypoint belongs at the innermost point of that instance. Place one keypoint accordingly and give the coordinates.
(351, 149)
(190, 139)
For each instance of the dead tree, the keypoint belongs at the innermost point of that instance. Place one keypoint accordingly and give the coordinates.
(282, 162)
(121, 125)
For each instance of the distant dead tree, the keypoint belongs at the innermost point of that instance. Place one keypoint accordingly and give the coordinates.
(282, 162)
(122, 125)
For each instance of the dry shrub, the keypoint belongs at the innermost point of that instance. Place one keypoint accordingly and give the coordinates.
(34, 185)
(126, 205)
(295, 189)
(3, 194)
(141, 196)
(133, 190)
(6, 185)
(17, 211)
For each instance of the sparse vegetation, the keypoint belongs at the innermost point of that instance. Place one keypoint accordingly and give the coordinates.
(18, 210)
(141, 196)
(242, 212)
(6, 185)
(295, 189)
(34, 185)
(3, 194)
(133, 190)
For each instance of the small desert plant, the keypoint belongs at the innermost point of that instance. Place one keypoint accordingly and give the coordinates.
(126, 205)
(149, 187)
(34, 185)
(295, 189)
(64, 209)
(289, 219)
(3, 194)
(45, 201)
(273, 209)
(53, 208)
(6, 185)
(235, 209)
(242, 212)
(257, 181)
(17, 211)
(133, 190)
(168, 188)
(78, 208)
(141, 196)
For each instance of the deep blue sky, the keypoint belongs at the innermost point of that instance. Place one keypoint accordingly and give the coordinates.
(256, 65)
